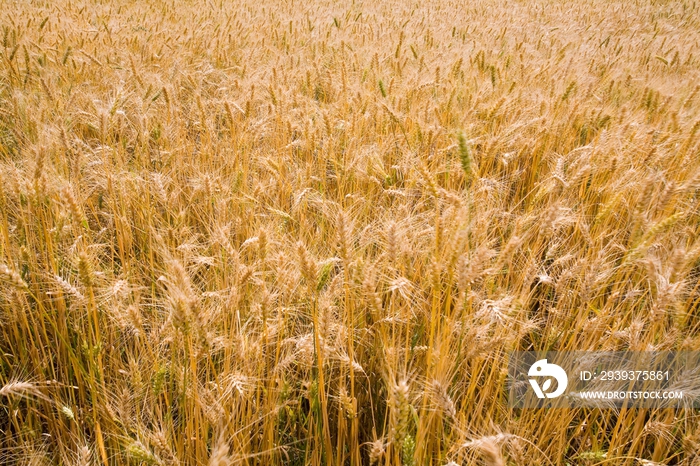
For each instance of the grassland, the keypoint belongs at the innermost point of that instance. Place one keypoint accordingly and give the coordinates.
(285, 232)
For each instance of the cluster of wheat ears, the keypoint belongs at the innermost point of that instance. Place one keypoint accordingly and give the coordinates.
(288, 232)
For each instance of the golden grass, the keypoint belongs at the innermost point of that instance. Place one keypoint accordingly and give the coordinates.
(285, 232)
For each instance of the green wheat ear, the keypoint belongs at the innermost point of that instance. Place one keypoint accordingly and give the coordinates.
(382, 89)
(464, 155)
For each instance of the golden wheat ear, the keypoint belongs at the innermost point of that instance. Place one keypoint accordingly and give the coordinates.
(23, 390)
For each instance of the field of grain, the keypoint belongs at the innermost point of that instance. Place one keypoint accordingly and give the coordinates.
(283, 232)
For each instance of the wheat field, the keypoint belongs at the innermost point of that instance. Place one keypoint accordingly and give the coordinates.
(285, 232)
